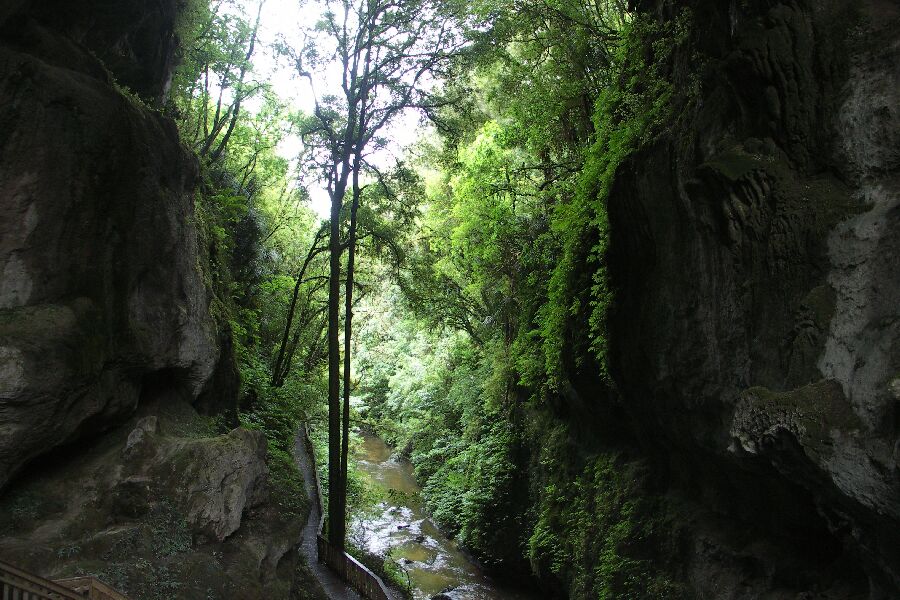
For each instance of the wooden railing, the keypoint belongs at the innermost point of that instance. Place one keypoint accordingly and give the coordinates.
(352, 571)
(92, 588)
(347, 568)
(16, 584)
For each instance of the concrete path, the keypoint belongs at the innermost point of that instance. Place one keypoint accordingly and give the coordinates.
(333, 586)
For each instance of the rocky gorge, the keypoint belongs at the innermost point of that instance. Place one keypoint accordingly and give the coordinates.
(754, 335)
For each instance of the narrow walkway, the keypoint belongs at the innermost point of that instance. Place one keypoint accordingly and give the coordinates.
(333, 586)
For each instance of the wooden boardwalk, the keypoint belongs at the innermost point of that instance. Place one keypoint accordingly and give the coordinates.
(333, 586)
(346, 578)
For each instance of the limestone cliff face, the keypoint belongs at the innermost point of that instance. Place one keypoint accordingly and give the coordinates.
(756, 260)
(100, 288)
(107, 347)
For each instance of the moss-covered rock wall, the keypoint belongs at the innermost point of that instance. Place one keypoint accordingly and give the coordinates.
(107, 345)
(754, 334)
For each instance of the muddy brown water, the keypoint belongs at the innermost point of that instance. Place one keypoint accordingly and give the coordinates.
(400, 527)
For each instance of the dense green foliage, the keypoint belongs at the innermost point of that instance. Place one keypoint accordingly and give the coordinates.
(264, 258)
(597, 528)
(254, 229)
(482, 290)
(472, 367)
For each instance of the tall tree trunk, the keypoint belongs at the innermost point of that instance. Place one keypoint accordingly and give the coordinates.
(348, 330)
(336, 524)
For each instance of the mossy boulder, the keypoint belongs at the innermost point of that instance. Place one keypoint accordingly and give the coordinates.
(161, 507)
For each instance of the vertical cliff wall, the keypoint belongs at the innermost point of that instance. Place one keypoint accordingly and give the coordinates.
(101, 289)
(755, 258)
(107, 347)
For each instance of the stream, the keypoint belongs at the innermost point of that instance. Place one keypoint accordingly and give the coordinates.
(401, 527)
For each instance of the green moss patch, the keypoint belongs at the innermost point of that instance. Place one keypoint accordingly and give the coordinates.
(600, 531)
(734, 164)
(811, 412)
